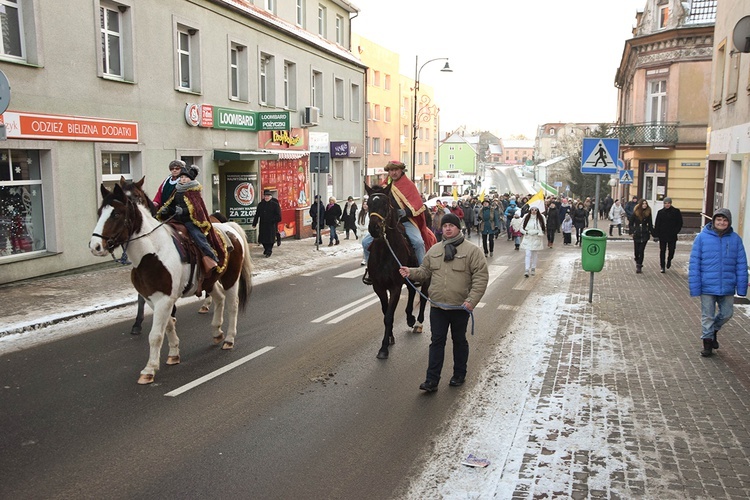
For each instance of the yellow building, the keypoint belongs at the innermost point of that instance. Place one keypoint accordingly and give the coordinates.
(384, 127)
(663, 104)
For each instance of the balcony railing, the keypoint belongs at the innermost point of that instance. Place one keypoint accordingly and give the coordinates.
(664, 134)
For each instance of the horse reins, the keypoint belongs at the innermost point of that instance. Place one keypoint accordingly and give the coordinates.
(408, 281)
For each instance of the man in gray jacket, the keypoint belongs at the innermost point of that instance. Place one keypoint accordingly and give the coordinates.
(459, 276)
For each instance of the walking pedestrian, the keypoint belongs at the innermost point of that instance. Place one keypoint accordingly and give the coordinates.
(629, 207)
(349, 218)
(459, 277)
(332, 218)
(615, 217)
(509, 212)
(363, 224)
(642, 228)
(489, 219)
(580, 216)
(553, 223)
(515, 228)
(666, 228)
(269, 214)
(718, 270)
(533, 229)
(317, 210)
(567, 229)
(469, 218)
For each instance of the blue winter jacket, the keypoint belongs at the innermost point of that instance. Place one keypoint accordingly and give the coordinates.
(718, 264)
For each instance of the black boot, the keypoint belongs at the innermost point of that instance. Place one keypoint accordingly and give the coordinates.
(715, 341)
(366, 279)
(708, 345)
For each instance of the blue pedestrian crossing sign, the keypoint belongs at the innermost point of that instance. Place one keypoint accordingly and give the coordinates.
(626, 176)
(599, 156)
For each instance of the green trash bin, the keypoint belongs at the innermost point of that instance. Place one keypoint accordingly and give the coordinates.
(593, 248)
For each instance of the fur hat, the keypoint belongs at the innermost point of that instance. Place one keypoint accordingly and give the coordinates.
(394, 165)
(451, 218)
(192, 171)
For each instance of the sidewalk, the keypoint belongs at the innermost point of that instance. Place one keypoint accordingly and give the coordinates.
(604, 400)
(40, 302)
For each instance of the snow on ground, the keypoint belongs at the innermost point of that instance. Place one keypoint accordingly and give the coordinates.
(498, 405)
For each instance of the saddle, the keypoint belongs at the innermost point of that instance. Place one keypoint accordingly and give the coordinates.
(191, 254)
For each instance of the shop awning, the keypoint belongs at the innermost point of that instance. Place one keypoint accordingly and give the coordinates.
(223, 154)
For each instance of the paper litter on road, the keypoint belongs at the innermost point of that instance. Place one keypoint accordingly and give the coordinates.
(473, 461)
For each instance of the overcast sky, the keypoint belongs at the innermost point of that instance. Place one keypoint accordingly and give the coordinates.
(516, 64)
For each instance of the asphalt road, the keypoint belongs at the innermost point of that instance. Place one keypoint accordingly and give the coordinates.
(506, 180)
(316, 416)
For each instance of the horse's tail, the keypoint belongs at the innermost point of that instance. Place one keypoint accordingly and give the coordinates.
(246, 276)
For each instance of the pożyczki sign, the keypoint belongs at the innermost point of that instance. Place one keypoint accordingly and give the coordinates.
(207, 116)
(20, 125)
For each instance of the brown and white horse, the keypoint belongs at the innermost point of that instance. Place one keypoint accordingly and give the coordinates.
(161, 277)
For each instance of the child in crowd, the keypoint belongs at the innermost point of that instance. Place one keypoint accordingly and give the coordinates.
(515, 228)
(567, 229)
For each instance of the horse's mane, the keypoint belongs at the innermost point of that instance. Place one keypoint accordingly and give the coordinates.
(134, 191)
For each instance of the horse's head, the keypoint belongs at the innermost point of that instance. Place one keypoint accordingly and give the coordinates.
(382, 210)
(119, 218)
(134, 191)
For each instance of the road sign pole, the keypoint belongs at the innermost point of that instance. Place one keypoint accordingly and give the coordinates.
(596, 204)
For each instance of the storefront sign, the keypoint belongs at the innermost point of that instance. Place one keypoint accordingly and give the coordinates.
(278, 120)
(242, 199)
(207, 116)
(691, 164)
(344, 149)
(294, 139)
(234, 119)
(67, 128)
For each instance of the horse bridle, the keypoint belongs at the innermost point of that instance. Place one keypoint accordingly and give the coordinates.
(383, 219)
(112, 243)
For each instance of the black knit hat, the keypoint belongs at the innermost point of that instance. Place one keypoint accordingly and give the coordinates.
(451, 218)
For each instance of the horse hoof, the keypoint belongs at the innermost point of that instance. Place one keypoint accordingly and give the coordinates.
(203, 310)
(227, 346)
(218, 340)
(410, 322)
(145, 379)
(382, 354)
(136, 330)
(173, 360)
(418, 329)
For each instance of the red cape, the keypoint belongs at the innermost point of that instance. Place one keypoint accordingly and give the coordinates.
(407, 196)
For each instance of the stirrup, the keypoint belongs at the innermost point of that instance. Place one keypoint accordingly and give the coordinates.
(366, 279)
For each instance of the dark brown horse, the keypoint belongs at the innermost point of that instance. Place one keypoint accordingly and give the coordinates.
(389, 248)
(160, 275)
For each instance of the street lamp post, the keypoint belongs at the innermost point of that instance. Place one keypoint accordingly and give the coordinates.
(415, 122)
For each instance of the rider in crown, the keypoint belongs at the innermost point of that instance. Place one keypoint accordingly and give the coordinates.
(411, 213)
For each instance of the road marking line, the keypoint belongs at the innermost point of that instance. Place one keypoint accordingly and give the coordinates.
(480, 305)
(214, 374)
(495, 272)
(340, 309)
(352, 274)
(508, 307)
(355, 310)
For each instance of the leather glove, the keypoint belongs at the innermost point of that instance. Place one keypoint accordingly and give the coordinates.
(161, 213)
(178, 210)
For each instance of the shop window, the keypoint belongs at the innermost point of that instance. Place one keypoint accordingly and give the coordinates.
(21, 203)
(115, 165)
